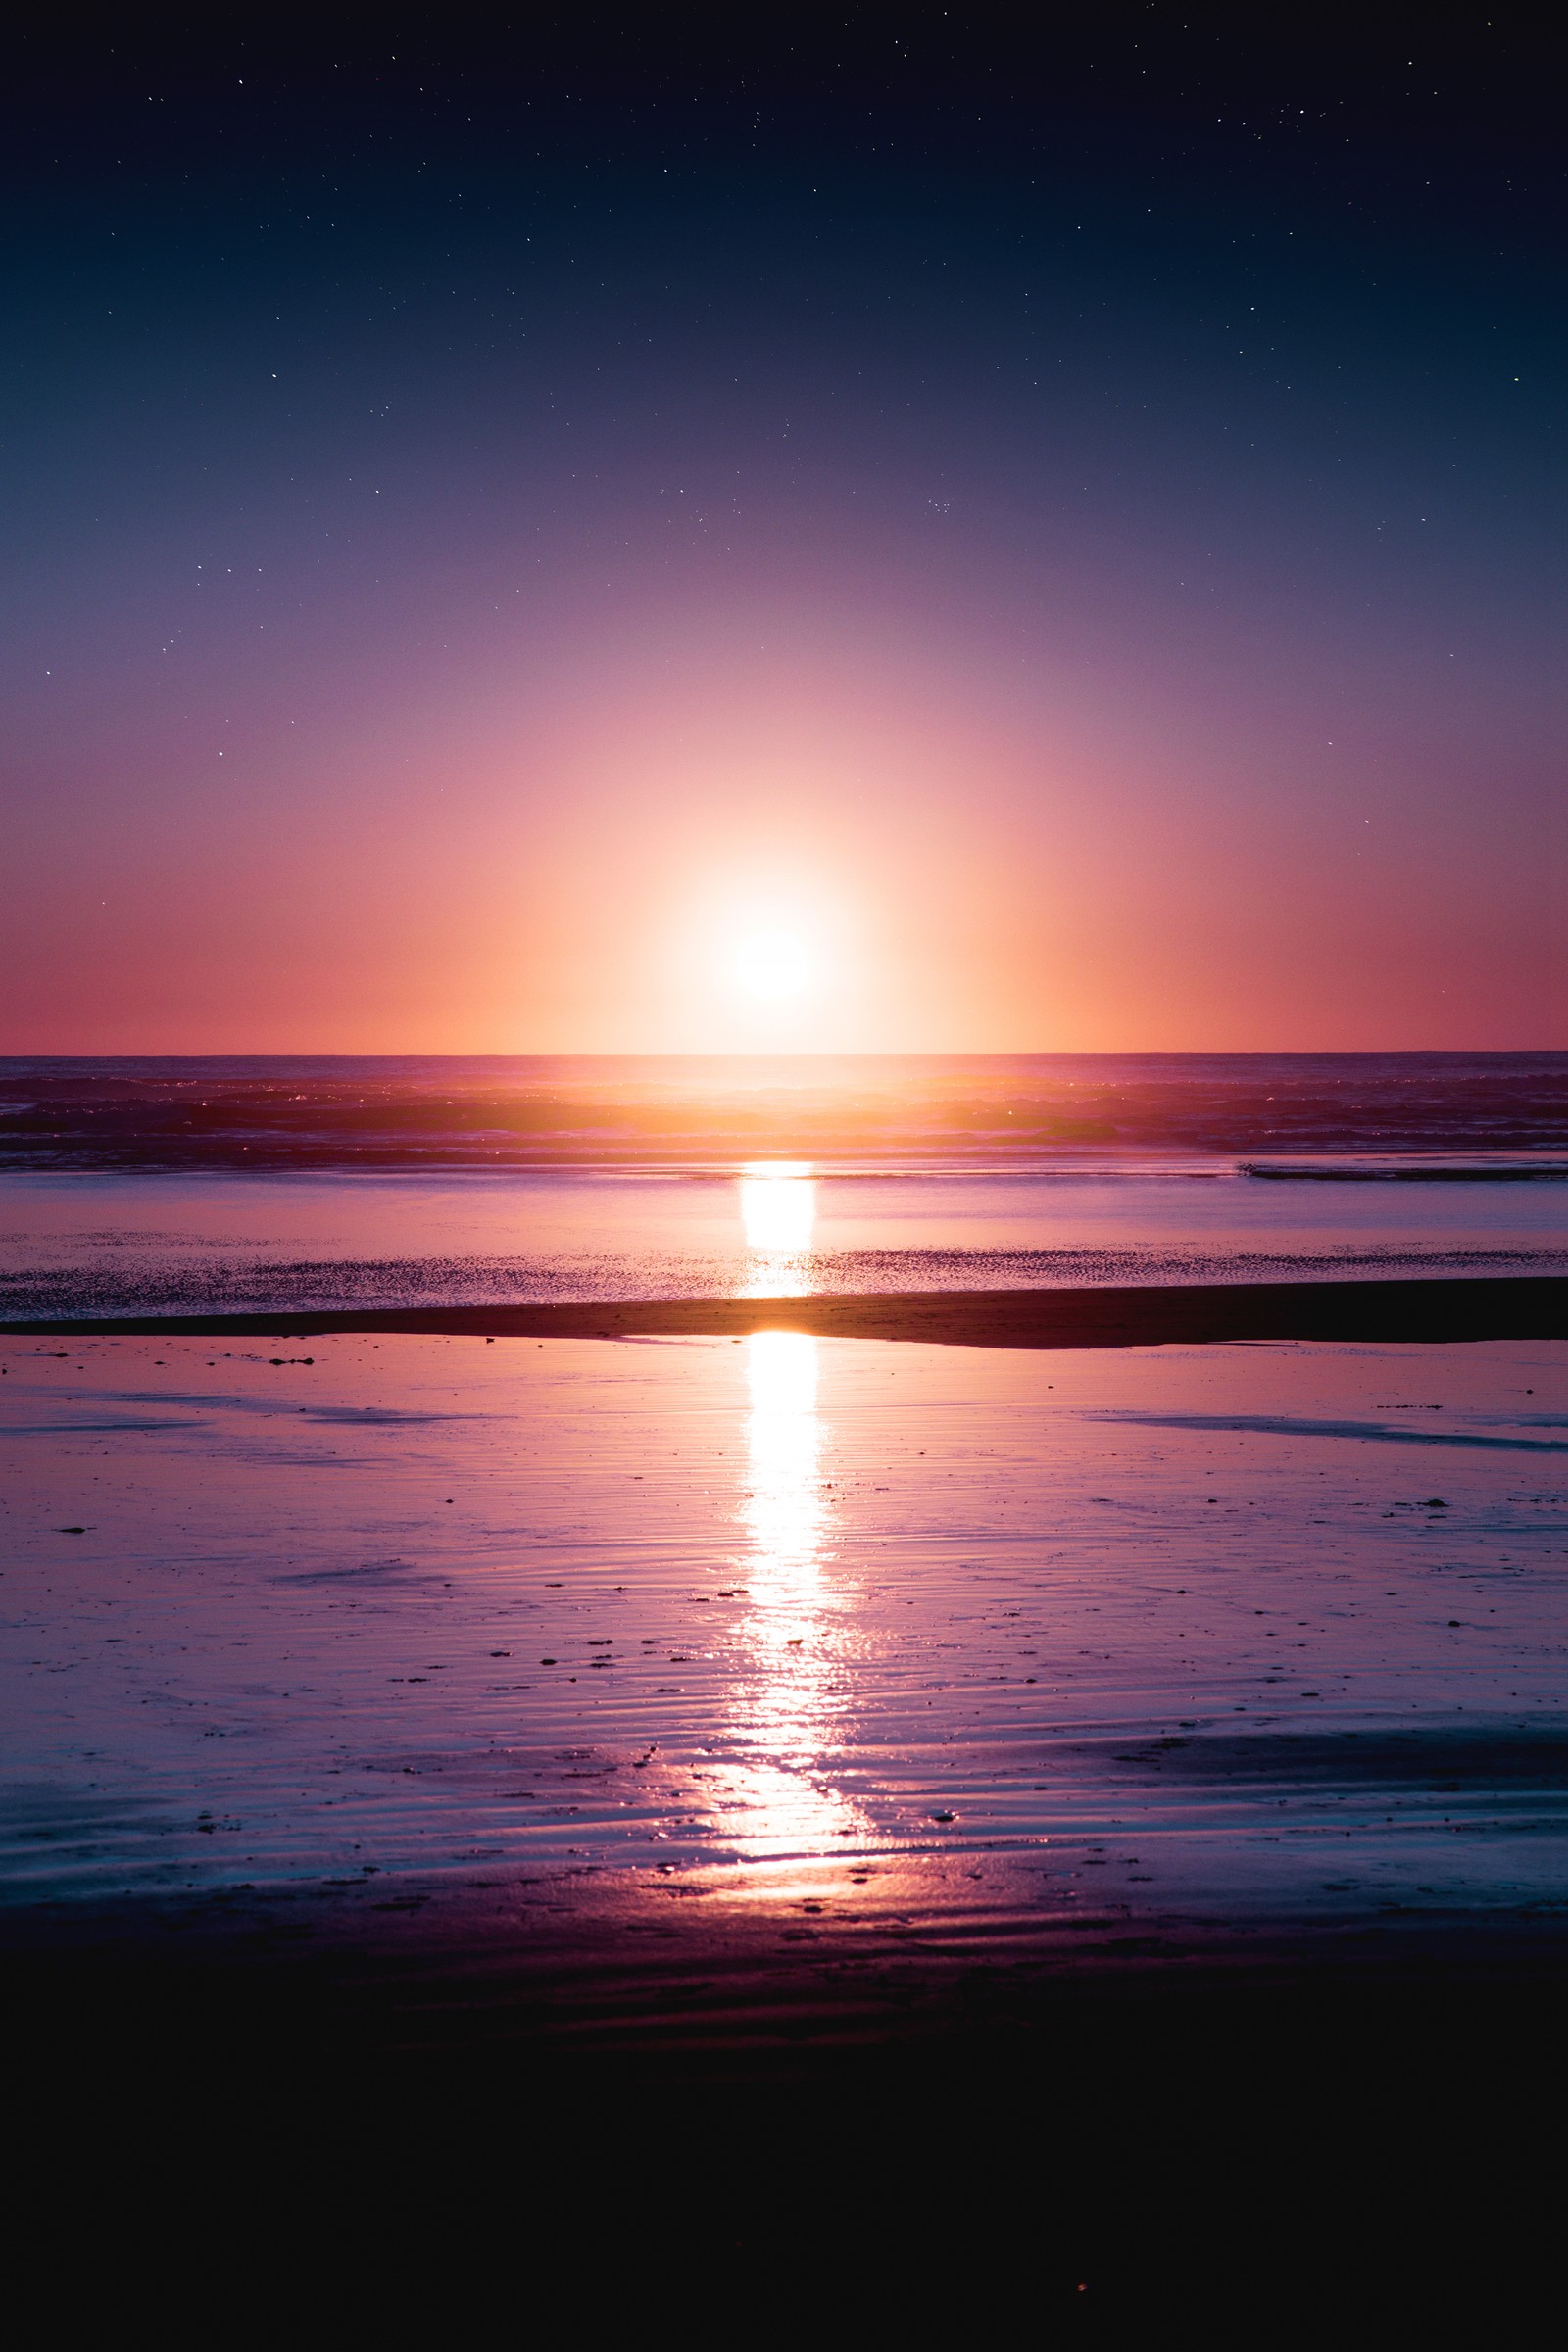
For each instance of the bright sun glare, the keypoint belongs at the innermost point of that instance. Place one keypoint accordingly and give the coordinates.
(773, 965)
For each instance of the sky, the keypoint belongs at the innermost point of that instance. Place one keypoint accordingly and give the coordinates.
(874, 532)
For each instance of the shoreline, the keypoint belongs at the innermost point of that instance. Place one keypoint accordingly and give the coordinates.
(1441, 1310)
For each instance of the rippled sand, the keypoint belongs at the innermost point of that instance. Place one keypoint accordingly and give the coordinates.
(829, 1633)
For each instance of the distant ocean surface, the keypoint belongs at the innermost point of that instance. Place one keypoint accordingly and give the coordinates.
(173, 1185)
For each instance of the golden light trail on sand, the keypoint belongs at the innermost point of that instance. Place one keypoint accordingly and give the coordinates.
(787, 1710)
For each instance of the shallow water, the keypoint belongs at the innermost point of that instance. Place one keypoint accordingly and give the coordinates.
(1229, 1634)
(112, 1241)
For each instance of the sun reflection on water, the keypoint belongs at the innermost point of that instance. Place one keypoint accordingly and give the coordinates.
(786, 1507)
(787, 1710)
(778, 1212)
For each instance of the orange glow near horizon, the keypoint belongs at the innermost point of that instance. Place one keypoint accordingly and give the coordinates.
(820, 855)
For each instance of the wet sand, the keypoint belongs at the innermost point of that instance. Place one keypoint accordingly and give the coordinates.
(1210, 1640)
(1028, 1820)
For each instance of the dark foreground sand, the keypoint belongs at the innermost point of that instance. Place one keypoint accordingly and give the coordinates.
(713, 2143)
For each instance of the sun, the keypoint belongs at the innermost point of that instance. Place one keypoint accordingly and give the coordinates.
(773, 965)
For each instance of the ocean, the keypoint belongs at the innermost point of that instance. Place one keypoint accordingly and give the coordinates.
(1174, 1639)
(145, 1186)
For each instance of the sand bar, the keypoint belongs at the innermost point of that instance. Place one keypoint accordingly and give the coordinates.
(1507, 1308)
